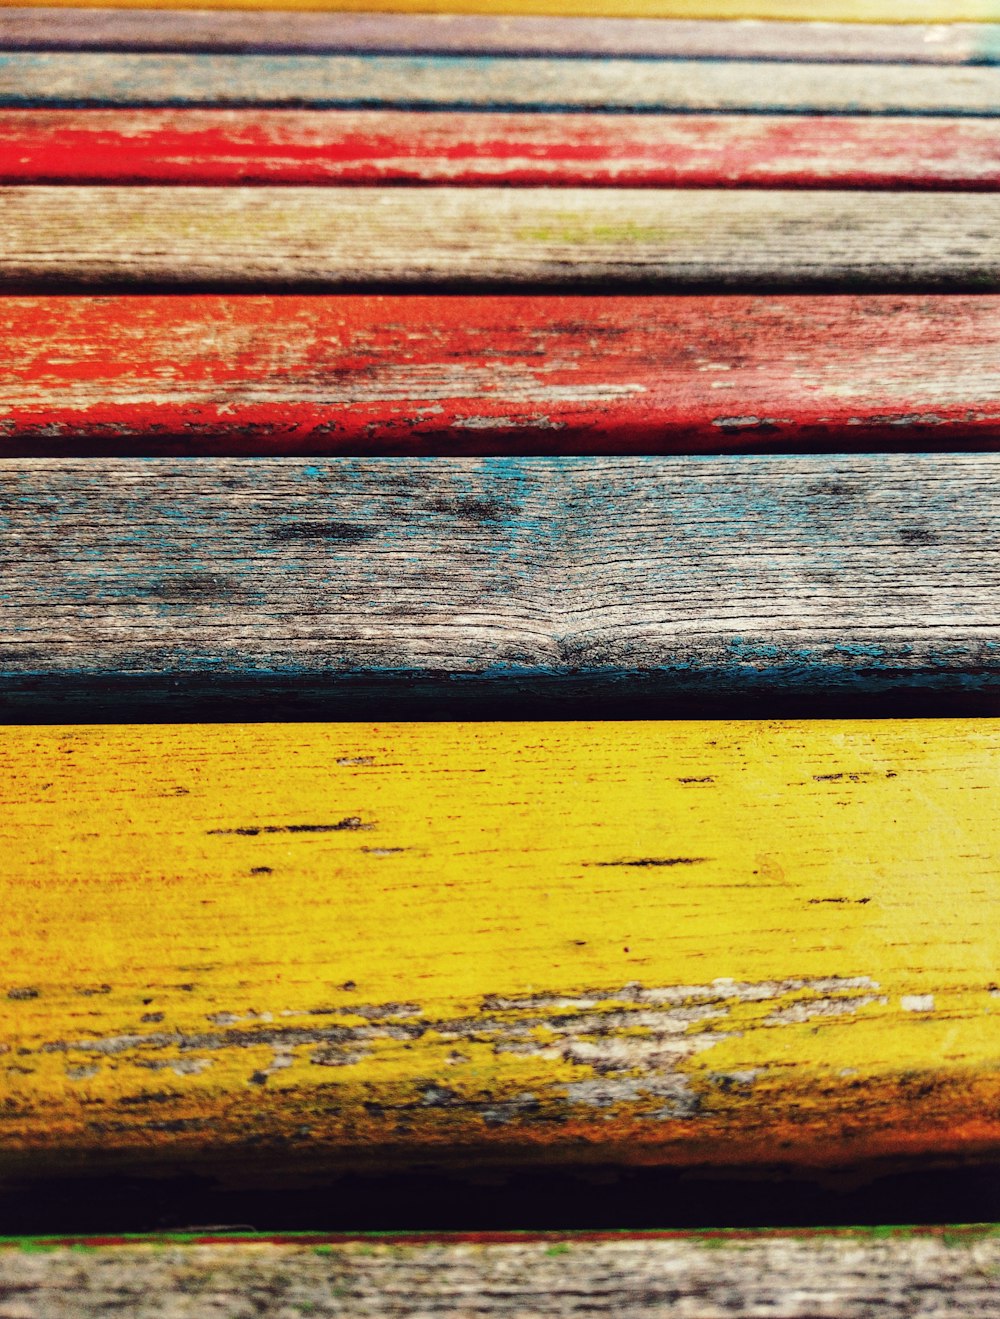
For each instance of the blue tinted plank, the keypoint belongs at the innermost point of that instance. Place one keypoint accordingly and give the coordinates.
(577, 581)
(61, 78)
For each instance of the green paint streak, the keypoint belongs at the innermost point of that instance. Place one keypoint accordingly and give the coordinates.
(569, 230)
(325, 1243)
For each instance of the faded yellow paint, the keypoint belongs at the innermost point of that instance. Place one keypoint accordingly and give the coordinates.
(856, 11)
(427, 934)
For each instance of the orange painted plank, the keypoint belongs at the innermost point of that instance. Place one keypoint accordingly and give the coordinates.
(220, 146)
(506, 374)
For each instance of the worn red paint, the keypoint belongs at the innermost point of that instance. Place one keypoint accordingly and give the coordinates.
(373, 146)
(502, 375)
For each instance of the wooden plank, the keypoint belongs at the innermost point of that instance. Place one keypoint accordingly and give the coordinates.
(568, 580)
(71, 78)
(676, 943)
(504, 375)
(400, 146)
(894, 1273)
(277, 31)
(475, 238)
(855, 11)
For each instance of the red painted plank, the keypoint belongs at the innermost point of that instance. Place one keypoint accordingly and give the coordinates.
(379, 146)
(510, 374)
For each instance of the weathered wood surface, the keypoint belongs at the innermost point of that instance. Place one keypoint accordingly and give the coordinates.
(276, 31)
(344, 945)
(70, 78)
(427, 146)
(860, 11)
(503, 375)
(577, 579)
(78, 236)
(884, 1274)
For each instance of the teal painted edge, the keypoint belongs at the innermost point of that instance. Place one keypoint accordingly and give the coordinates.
(986, 49)
(60, 79)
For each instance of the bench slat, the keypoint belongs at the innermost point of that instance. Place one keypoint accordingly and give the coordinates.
(261, 30)
(864, 11)
(332, 945)
(583, 579)
(504, 374)
(56, 78)
(874, 1274)
(476, 238)
(373, 146)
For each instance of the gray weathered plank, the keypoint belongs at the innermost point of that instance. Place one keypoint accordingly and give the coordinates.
(897, 1274)
(218, 30)
(582, 578)
(316, 237)
(61, 78)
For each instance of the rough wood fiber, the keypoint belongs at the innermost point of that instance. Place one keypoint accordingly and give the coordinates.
(64, 78)
(821, 576)
(166, 30)
(892, 1274)
(426, 146)
(219, 30)
(356, 237)
(860, 11)
(502, 375)
(345, 945)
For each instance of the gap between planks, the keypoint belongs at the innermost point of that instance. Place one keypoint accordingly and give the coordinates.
(289, 31)
(504, 374)
(88, 79)
(587, 579)
(891, 1273)
(397, 146)
(349, 945)
(474, 238)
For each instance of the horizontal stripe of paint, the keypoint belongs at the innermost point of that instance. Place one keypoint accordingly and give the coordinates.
(399, 146)
(61, 78)
(498, 375)
(958, 1235)
(716, 578)
(326, 946)
(288, 237)
(854, 1275)
(854, 11)
(263, 30)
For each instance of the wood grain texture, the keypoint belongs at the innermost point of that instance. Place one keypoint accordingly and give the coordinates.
(856, 11)
(285, 237)
(591, 578)
(674, 943)
(891, 1274)
(70, 78)
(503, 375)
(427, 146)
(277, 31)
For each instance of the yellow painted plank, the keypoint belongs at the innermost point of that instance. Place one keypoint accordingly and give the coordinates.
(674, 942)
(850, 11)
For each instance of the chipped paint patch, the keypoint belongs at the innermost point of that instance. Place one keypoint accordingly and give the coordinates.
(917, 1002)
